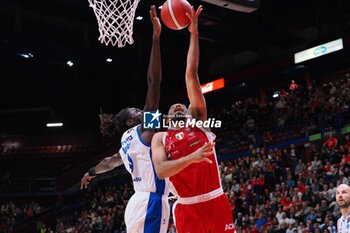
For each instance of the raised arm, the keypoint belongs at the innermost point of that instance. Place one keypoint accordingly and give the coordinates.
(166, 168)
(107, 164)
(197, 106)
(154, 73)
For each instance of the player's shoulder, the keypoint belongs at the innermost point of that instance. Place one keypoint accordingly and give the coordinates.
(129, 134)
(338, 221)
(132, 130)
(159, 135)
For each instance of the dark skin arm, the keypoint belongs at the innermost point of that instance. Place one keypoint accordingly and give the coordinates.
(106, 164)
(154, 78)
(154, 74)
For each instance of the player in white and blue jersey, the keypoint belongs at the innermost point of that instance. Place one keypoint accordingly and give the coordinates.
(149, 204)
(342, 198)
(148, 209)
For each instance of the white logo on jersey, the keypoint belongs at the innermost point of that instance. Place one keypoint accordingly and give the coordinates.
(229, 227)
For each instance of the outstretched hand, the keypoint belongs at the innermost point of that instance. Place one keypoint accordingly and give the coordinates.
(85, 181)
(193, 27)
(105, 117)
(202, 153)
(157, 27)
(106, 120)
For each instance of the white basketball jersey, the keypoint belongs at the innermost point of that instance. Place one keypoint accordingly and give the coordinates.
(344, 224)
(137, 158)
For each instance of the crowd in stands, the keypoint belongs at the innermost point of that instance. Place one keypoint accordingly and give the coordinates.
(299, 112)
(11, 213)
(273, 191)
(100, 210)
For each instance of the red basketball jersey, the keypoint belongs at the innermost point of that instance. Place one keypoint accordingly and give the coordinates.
(198, 178)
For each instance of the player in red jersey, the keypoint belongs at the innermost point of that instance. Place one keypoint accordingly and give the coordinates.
(186, 155)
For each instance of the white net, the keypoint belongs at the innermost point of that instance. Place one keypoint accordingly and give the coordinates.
(115, 20)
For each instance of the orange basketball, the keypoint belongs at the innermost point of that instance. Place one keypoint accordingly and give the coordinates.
(173, 14)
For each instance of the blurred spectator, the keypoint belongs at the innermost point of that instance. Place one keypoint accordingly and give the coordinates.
(331, 142)
(293, 86)
(299, 167)
(11, 213)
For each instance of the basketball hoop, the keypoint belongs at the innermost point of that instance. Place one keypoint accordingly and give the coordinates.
(115, 20)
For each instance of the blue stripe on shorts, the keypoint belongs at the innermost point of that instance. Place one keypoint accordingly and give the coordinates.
(154, 214)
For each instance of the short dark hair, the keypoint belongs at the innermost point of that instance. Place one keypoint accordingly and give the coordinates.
(116, 125)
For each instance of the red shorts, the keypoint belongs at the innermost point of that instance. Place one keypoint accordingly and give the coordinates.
(214, 216)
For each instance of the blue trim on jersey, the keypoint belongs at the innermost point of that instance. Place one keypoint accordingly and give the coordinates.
(154, 214)
(140, 138)
(160, 184)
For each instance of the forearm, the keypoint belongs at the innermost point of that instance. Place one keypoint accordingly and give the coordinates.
(194, 91)
(166, 168)
(154, 77)
(169, 168)
(108, 163)
(154, 73)
(193, 55)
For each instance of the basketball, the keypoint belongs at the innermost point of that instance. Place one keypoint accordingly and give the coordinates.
(173, 14)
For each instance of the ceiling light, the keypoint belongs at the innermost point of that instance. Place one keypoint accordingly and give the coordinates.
(70, 63)
(54, 124)
(26, 55)
(109, 60)
(160, 7)
(139, 17)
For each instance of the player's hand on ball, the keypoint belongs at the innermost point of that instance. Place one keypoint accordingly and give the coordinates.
(85, 181)
(193, 27)
(203, 152)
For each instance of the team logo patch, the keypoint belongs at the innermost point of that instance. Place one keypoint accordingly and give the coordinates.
(179, 136)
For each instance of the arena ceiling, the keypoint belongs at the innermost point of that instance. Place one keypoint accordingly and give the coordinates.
(254, 48)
